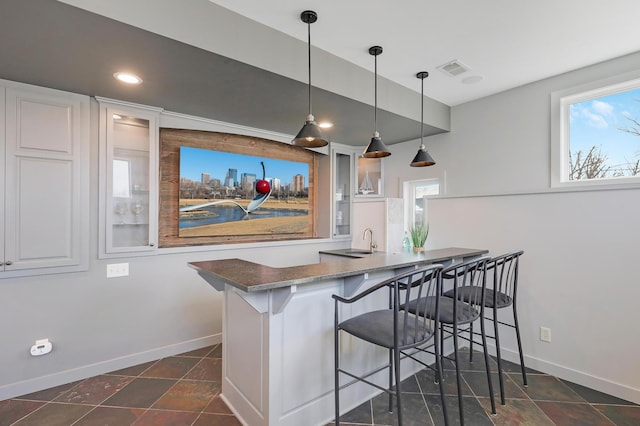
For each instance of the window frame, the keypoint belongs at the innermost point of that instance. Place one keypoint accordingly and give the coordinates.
(560, 126)
(409, 189)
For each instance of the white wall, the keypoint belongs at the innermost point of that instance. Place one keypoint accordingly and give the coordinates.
(98, 325)
(578, 273)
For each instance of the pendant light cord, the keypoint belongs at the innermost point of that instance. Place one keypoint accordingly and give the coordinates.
(375, 93)
(309, 55)
(422, 114)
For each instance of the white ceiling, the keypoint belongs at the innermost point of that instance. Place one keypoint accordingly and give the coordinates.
(507, 42)
(244, 61)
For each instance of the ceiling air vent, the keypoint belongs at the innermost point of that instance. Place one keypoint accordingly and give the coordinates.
(453, 68)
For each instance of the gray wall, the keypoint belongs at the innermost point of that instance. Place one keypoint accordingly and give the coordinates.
(578, 274)
(98, 325)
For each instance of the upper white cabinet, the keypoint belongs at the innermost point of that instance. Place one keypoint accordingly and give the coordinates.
(128, 178)
(342, 194)
(44, 146)
(354, 178)
(370, 177)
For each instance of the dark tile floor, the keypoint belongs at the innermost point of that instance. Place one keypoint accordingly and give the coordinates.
(178, 390)
(185, 390)
(546, 401)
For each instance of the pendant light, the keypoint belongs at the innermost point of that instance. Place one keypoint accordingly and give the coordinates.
(309, 136)
(376, 148)
(422, 158)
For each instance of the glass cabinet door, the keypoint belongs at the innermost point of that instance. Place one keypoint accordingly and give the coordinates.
(130, 188)
(369, 177)
(342, 194)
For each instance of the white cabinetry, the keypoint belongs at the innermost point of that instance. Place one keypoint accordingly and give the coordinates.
(44, 146)
(370, 177)
(354, 178)
(342, 194)
(128, 178)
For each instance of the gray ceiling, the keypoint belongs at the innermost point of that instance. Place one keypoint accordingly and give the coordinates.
(47, 43)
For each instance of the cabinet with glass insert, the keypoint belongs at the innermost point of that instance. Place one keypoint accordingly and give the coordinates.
(343, 190)
(369, 177)
(128, 178)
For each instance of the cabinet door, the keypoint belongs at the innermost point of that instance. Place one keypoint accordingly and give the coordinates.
(370, 177)
(46, 182)
(128, 179)
(342, 182)
(2, 161)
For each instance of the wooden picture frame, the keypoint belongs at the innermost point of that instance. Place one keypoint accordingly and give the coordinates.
(170, 142)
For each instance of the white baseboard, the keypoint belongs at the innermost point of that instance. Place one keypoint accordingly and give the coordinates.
(36, 384)
(594, 382)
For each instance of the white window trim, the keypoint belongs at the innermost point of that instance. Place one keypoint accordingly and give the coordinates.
(408, 188)
(560, 102)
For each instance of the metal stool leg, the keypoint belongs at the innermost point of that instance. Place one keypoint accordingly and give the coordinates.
(396, 365)
(517, 327)
(458, 381)
(498, 355)
(391, 365)
(471, 342)
(440, 379)
(486, 361)
(336, 361)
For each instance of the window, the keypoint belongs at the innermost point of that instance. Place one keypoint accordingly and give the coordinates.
(415, 195)
(596, 134)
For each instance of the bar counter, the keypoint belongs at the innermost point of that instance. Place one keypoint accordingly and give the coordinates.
(277, 334)
(250, 277)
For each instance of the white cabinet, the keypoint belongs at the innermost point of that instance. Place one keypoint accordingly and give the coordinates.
(44, 146)
(342, 194)
(370, 177)
(128, 178)
(354, 178)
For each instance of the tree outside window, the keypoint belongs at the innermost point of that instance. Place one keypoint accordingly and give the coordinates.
(595, 134)
(604, 136)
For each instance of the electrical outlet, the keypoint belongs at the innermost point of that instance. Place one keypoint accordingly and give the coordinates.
(117, 270)
(545, 334)
(42, 347)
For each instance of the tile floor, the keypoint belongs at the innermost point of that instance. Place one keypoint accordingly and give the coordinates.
(546, 401)
(185, 390)
(175, 391)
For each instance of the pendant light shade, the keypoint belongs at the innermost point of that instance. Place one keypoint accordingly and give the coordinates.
(376, 147)
(422, 158)
(310, 135)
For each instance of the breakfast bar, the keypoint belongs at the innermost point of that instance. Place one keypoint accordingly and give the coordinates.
(278, 330)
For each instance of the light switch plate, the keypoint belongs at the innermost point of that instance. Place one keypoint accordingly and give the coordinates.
(117, 270)
(545, 334)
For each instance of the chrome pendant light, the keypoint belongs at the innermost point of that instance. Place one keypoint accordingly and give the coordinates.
(422, 158)
(376, 148)
(310, 135)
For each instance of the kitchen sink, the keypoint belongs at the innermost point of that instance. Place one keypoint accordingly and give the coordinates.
(358, 252)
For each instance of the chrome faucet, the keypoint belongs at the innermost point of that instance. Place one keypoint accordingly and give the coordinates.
(372, 245)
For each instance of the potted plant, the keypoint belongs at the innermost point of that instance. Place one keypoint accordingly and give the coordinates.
(419, 233)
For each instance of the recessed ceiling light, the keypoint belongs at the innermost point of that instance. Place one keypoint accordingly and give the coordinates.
(117, 117)
(127, 77)
(325, 125)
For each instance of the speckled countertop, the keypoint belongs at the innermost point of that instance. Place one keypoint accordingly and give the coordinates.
(252, 277)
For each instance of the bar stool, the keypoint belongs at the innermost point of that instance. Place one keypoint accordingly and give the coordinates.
(394, 329)
(460, 307)
(503, 272)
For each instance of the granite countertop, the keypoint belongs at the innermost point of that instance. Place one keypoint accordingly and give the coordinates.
(354, 253)
(252, 277)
